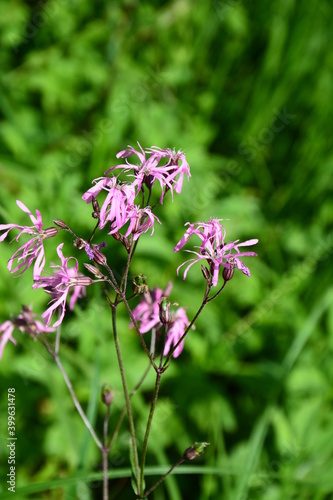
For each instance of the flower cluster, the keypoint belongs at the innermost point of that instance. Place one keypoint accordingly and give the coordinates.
(148, 316)
(26, 323)
(121, 210)
(119, 207)
(214, 250)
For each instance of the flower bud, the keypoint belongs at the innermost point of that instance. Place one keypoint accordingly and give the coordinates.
(99, 257)
(61, 224)
(165, 313)
(205, 272)
(195, 451)
(96, 209)
(107, 394)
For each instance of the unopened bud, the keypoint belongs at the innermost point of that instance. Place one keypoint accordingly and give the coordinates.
(195, 451)
(165, 313)
(107, 394)
(205, 272)
(60, 223)
(96, 208)
(99, 257)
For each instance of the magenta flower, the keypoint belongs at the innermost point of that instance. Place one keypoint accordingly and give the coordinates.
(175, 332)
(214, 250)
(147, 313)
(150, 170)
(175, 170)
(33, 250)
(59, 285)
(24, 322)
(115, 207)
(141, 220)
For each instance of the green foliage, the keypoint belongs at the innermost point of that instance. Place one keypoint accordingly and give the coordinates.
(245, 88)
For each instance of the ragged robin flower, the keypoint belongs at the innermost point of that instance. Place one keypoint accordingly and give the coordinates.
(155, 164)
(58, 285)
(33, 250)
(214, 250)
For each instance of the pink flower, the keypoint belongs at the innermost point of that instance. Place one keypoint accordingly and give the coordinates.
(150, 170)
(214, 250)
(24, 322)
(33, 250)
(141, 220)
(148, 315)
(176, 331)
(59, 285)
(148, 311)
(174, 169)
(115, 207)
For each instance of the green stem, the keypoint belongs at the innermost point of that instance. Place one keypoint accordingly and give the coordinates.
(150, 419)
(72, 393)
(123, 412)
(127, 399)
(105, 452)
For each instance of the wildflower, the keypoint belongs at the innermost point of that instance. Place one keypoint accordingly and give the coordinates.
(141, 220)
(147, 313)
(173, 158)
(33, 250)
(149, 170)
(59, 285)
(176, 331)
(24, 322)
(115, 207)
(214, 250)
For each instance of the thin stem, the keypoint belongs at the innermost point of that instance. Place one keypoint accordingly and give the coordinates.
(180, 461)
(57, 340)
(150, 419)
(127, 399)
(123, 412)
(217, 293)
(133, 391)
(105, 452)
(123, 283)
(94, 231)
(72, 393)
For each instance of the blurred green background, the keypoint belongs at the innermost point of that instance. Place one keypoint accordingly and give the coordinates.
(245, 89)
